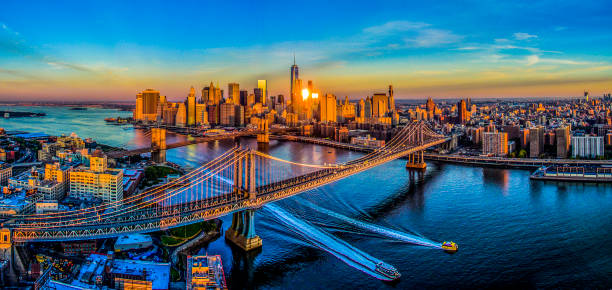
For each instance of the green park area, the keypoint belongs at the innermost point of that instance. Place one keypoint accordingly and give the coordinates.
(154, 174)
(177, 236)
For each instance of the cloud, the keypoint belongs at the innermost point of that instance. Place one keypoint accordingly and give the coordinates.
(12, 43)
(413, 34)
(524, 36)
(7, 29)
(433, 37)
(535, 59)
(61, 64)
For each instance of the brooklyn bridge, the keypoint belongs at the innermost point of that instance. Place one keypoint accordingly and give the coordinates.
(237, 182)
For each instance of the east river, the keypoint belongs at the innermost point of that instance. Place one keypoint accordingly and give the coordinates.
(511, 231)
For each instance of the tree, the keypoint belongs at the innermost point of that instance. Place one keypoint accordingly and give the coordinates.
(522, 153)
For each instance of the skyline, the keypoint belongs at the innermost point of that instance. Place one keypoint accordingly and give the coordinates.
(93, 51)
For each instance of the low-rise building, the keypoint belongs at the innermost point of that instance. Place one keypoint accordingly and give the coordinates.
(133, 242)
(98, 181)
(52, 188)
(79, 248)
(16, 202)
(6, 172)
(45, 206)
(367, 141)
(204, 273)
(131, 274)
(587, 146)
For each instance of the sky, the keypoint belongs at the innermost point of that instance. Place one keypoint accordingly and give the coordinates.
(109, 50)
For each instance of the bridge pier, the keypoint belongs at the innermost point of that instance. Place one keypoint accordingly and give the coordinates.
(242, 231)
(416, 161)
(158, 143)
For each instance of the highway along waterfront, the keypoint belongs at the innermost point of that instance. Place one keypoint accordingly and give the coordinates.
(511, 231)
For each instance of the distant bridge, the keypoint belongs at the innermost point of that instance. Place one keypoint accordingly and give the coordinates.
(510, 162)
(238, 182)
(158, 145)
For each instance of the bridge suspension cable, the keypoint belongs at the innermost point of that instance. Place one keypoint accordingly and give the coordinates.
(144, 194)
(122, 211)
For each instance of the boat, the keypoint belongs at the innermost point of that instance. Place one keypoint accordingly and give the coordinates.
(449, 247)
(387, 271)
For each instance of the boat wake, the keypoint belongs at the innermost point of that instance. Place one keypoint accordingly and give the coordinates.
(331, 244)
(377, 229)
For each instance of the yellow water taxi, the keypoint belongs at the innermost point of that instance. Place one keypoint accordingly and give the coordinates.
(449, 247)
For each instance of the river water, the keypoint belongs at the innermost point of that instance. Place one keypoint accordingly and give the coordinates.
(511, 231)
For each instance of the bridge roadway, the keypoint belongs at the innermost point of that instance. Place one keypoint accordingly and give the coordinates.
(195, 140)
(149, 220)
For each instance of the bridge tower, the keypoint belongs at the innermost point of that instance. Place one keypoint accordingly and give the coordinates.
(10, 263)
(416, 160)
(263, 137)
(158, 145)
(242, 231)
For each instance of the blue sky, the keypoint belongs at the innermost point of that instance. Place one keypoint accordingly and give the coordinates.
(109, 50)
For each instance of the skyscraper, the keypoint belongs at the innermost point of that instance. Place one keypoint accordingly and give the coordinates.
(263, 85)
(138, 109)
(191, 107)
(258, 92)
(431, 106)
(233, 93)
(181, 115)
(212, 95)
(294, 77)
(536, 141)
(227, 114)
(244, 97)
(563, 141)
(150, 98)
(327, 108)
(391, 99)
(295, 94)
(368, 108)
(495, 143)
(380, 105)
(462, 112)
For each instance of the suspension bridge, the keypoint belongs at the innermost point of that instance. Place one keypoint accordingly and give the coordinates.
(237, 182)
(159, 146)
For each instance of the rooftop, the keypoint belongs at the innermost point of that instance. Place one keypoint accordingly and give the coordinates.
(157, 273)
